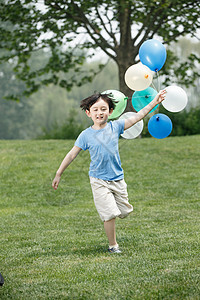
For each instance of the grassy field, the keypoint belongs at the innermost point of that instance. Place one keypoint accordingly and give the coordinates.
(52, 243)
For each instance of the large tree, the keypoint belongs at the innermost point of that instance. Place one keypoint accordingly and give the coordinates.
(70, 31)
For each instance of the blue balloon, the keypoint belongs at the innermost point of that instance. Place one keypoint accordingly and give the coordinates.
(153, 54)
(141, 98)
(160, 126)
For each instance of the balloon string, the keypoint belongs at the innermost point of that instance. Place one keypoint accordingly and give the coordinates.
(141, 96)
(158, 80)
(154, 86)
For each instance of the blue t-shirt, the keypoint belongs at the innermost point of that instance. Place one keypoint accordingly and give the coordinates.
(104, 152)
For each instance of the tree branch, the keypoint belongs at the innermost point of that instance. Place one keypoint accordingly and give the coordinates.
(82, 20)
(111, 30)
(151, 27)
(142, 27)
(110, 33)
(86, 21)
(100, 44)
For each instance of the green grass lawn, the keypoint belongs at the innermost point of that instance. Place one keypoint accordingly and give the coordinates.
(52, 243)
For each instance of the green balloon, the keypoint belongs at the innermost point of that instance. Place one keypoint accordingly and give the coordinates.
(120, 101)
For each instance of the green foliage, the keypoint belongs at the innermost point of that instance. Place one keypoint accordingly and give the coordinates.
(15, 119)
(182, 64)
(53, 244)
(69, 130)
(184, 123)
(72, 31)
(13, 115)
(50, 105)
(49, 108)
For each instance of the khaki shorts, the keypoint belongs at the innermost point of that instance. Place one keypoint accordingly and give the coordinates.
(110, 198)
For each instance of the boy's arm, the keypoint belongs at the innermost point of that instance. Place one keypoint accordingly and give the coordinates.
(71, 155)
(143, 112)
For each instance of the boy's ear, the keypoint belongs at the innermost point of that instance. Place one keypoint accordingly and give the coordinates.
(87, 112)
(111, 111)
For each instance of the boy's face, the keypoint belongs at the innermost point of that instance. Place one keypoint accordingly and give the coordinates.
(99, 112)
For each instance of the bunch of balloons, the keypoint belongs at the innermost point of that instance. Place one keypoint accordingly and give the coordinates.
(138, 77)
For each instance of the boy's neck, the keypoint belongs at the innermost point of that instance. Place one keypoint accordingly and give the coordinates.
(99, 126)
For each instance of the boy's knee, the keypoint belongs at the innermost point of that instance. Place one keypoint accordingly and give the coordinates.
(126, 213)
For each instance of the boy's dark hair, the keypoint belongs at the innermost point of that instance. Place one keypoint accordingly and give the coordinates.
(89, 101)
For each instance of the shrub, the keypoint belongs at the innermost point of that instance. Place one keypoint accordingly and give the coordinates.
(69, 130)
(184, 123)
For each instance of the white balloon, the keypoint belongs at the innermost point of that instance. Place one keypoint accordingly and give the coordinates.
(138, 77)
(135, 130)
(176, 99)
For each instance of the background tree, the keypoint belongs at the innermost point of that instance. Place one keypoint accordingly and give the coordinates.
(71, 31)
(50, 107)
(52, 111)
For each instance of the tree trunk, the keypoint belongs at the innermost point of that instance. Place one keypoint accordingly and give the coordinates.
(125, 51)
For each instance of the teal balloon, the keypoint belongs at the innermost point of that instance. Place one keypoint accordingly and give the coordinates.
(120, 101)
(142, 98)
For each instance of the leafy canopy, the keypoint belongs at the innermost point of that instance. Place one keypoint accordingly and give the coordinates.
(71, 31)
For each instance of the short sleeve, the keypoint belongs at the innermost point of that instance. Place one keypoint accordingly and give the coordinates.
(119, 124)
(81, 141)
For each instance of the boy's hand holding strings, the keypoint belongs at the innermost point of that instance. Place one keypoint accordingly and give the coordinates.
(143, 112)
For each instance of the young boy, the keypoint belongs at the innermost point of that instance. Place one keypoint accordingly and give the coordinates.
(106, 174)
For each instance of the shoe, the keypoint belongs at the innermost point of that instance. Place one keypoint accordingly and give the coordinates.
(114, 250)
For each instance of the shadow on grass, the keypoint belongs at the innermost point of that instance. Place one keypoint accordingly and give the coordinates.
(72, 252)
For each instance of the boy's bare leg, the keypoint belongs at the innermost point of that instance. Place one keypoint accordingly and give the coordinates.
(109, 227)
